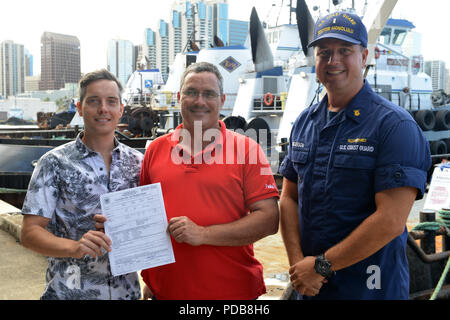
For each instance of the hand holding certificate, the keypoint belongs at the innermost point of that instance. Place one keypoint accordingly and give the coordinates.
(137, 225)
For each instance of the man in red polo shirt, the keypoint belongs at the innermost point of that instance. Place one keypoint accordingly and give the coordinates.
(220, 197)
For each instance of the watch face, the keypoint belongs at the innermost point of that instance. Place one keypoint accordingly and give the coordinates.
(322, 266)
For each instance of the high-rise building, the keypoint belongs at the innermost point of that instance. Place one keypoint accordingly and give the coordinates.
(28, 63)
(203, 24)
(175, 35)
(149, 47)
(121, 59)
(60, 60)
(186, 11)
(12, 68)
(195, 21)
(136, 53)
(238, 32)
(32, 83)
(193, 25)
(447, 86)
(220, 20)
(162, 49)
(436, 70)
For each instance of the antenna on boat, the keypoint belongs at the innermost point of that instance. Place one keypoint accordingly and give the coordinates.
(281, 6)
(191, 42)
(269, 13)
(279, 13)
(290, 11)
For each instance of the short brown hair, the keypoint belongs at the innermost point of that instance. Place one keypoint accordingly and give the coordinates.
(96, 75)
(203, 67)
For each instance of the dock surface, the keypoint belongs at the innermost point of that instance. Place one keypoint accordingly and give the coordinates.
(22, 271)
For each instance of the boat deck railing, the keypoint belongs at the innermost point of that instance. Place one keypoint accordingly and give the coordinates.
(269, 103)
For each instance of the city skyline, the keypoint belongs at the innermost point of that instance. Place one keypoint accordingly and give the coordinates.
(99, 22)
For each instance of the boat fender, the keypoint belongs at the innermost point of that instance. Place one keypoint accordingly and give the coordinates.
(438, 147)
(442, 120)
(377, 52)
(425, 119)
(268, 99)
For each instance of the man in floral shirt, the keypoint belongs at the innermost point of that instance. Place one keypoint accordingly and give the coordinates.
(64, 195)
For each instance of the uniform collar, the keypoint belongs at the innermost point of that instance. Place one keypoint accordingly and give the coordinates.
(357, 109)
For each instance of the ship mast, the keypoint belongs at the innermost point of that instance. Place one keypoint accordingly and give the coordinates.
(281, 6)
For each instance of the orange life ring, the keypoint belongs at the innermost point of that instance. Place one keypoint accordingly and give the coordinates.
(377, 52)
(268, 99)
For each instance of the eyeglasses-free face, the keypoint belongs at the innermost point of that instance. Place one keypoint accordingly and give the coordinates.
(339, 66)
(101, 108)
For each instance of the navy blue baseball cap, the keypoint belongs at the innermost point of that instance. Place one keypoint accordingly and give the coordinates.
(340, 25)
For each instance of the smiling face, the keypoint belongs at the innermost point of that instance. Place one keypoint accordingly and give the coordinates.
(339, 66)
(101, 108)
(201, 100)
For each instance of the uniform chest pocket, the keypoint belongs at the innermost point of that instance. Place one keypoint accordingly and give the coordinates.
(354, 161)
(352, 177)
(299, 158)
(359, 153)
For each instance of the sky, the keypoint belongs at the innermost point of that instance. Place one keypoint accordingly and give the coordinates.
(95, 22)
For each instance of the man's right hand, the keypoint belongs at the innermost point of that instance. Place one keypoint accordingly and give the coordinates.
(91, 243)
(100, 222)
(36, 237)
(304, 278)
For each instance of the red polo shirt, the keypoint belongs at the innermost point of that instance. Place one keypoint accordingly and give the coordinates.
(215, 186)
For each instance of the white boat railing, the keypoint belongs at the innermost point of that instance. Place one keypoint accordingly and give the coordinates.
(269, 102)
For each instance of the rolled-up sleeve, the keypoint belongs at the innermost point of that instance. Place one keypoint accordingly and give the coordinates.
(287, 169)
(403, 159)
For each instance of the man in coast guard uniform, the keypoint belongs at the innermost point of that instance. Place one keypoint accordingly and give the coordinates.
(355, 165)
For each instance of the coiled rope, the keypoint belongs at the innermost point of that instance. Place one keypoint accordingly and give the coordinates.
(443, 220)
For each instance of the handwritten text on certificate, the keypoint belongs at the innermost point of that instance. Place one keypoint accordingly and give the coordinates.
(137, 226)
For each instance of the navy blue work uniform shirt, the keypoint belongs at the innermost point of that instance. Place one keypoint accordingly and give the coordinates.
(370, 146)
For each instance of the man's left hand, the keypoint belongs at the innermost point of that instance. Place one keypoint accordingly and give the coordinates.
(185, 230)
(304, 278)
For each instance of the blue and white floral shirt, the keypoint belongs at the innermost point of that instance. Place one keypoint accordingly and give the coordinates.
(65, 187)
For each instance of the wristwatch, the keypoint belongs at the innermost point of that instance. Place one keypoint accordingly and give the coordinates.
(323, 266)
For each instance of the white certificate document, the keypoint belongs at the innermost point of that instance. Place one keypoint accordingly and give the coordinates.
(438, 196)
(137, 227)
